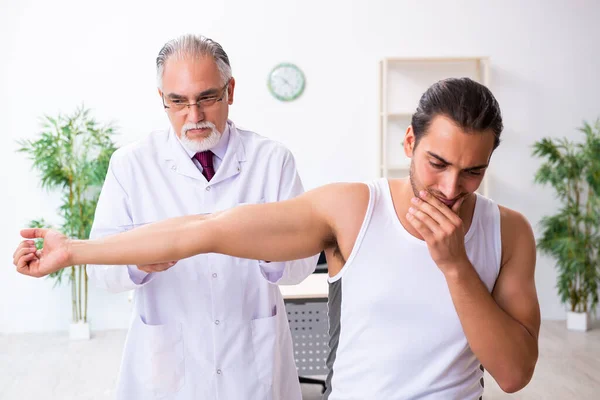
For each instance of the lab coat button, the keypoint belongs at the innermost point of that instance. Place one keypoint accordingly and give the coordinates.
(219, 371)
(217, 322)
(208, 188)
(214, 275)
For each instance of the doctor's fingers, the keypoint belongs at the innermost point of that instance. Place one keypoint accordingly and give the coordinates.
(25, 244)
(23, 251)
(156, 267)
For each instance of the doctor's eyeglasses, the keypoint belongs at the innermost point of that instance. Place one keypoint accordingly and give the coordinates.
(179, 105)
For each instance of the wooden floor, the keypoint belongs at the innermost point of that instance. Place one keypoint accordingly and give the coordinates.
(50, 367)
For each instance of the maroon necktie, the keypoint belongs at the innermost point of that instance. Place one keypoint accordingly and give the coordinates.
(205, 158)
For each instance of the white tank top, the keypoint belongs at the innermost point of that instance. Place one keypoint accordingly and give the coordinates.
(394, 331)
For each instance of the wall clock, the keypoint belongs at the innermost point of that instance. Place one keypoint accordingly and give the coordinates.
(286, 82)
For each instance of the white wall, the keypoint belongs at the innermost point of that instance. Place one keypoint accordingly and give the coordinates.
(55, 55)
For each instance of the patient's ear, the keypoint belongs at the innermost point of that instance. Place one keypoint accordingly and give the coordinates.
(409, 142)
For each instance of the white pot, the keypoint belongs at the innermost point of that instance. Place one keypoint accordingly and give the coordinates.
(578, 321)
(79, 331)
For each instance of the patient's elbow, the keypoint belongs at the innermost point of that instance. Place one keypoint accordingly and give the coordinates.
(517, 379)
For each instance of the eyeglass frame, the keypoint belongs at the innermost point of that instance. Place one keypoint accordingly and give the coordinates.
(198, 103)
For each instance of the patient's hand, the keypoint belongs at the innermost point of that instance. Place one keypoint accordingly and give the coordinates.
(51, 258)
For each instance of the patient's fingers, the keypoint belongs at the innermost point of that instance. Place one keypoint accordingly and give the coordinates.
(31, 233)
(22, 252)
(23, 263)
(23, 244)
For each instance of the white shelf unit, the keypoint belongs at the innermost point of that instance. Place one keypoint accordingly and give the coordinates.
(402, 81)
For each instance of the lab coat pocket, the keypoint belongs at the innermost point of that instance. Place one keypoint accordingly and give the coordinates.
(161, 361)
(265, 342)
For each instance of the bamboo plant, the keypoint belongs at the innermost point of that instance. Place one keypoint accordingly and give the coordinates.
(71, 155)
(572, 235)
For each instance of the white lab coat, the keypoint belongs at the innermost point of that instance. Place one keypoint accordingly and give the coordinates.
(212, 326)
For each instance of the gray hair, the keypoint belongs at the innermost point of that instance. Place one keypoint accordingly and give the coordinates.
(193, 46)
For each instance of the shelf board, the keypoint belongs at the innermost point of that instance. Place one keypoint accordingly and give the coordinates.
(434, 59)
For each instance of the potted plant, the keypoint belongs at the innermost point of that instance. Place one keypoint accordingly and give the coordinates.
(71, 155)
(572, 235)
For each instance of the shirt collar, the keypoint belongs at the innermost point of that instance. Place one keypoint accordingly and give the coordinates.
(221, 148)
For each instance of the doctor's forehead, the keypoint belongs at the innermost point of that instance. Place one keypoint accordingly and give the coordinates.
(187, 74)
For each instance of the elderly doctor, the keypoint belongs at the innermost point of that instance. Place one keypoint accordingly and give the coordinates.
(219, 331)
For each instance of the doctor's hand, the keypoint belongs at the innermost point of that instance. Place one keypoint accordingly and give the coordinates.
(51, 258)
(441, 228)
(156, 267)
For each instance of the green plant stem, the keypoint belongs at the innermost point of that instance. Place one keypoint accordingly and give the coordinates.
(85, 280)
(73, 296)
(588, 245)
(572, 283)
(578, 279)
(81, 235)
(79, 279)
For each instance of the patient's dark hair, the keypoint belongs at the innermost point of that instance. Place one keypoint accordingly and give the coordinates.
(469, 104)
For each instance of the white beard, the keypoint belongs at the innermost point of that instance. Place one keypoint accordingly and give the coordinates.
(198, 145)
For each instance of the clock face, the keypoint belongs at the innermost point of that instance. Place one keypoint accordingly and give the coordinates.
(286, 82)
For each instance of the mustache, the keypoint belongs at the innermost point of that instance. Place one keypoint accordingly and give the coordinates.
(200, 125)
